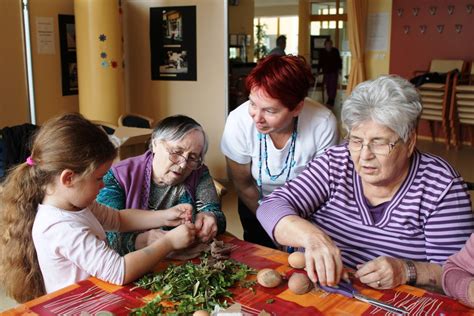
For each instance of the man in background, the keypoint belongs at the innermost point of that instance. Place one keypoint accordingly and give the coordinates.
(331, 63)
(280, 48)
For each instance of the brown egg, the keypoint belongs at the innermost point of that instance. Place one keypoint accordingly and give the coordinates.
(297, 260)
(268, 278)
(201, 313)
(299, 283)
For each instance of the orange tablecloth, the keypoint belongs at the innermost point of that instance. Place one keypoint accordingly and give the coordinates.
(93, 295)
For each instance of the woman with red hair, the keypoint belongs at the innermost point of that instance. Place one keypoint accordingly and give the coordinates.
(270, 138)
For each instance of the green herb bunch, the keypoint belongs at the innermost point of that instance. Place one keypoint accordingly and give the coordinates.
(192, 287)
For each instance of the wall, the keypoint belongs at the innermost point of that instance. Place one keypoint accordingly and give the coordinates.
(14, 109)
(47, 68)
(377, 61)
(204, 99)
(276, 10)
(241, 22)
(414, 51)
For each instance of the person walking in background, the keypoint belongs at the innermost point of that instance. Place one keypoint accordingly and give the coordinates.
(331, 63)
(279, 50)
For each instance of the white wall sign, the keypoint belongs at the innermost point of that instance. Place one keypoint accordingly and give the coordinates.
(45, 35)
(377, 31)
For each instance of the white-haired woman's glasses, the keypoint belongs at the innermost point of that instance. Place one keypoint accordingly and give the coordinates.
(177, 158)
(377, 147)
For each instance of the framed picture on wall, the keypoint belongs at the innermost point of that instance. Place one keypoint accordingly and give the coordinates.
(173, 43)
(67, 44)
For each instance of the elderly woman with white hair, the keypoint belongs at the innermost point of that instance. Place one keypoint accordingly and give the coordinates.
(375, 203)
(171, 173)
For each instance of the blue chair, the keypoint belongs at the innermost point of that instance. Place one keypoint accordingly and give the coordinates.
(107, 127)
(135, 120)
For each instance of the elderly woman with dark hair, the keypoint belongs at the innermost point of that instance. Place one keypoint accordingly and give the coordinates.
(172, 172)
(375, 204)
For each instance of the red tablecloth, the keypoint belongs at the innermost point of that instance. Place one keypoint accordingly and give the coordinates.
(93, 295)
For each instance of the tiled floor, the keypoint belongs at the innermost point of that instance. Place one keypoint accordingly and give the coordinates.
(461, 159)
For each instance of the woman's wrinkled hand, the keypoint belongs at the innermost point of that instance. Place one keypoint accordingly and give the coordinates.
(323, 260)
(382, 273)
(148, 237)
(206, 226)
(178, 215)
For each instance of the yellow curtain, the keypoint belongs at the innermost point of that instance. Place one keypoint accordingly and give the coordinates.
(356, 20)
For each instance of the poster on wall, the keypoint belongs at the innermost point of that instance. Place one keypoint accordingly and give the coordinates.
(377, 32)
(67, 42)
(173, 43)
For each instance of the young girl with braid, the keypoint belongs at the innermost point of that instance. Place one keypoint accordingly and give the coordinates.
(52, 230)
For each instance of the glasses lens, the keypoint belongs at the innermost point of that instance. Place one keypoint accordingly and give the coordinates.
(355, 145)
(176, 158)
(194, 164)
(380, 149)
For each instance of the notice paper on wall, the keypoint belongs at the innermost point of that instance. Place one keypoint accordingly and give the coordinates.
(45, 35)
(377, 31)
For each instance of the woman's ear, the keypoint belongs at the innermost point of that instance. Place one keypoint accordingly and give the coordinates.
(411, 143)
(297, 110)
(66, 177)
(154, 144)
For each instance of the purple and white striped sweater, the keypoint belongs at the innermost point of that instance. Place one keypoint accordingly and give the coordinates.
(428, 219)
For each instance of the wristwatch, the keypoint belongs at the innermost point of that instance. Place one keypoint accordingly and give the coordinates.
(411, 272)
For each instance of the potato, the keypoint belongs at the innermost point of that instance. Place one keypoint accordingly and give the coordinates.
(268, 278)
(297, 260)
(299, 283)
(201, 313)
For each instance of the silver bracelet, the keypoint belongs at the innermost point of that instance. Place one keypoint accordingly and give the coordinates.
(411, 272)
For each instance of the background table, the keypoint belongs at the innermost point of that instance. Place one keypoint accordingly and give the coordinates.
(93, 295)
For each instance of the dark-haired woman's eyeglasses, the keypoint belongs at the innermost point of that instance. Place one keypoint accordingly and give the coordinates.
(177, 158)
(382, 148)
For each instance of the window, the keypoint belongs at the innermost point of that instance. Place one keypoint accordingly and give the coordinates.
(276, 26)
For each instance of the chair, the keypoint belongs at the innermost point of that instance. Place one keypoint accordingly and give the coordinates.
(435, 97)
(106, 126)
(15, 142)
(135, 120)
(462, 106)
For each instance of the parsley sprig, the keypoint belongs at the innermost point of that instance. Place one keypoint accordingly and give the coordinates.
(190, 287)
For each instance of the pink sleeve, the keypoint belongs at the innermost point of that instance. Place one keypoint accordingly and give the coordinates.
(458, 273)
(93, 255)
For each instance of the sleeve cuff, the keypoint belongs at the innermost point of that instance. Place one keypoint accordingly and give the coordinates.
(269, 216)
(456, 284)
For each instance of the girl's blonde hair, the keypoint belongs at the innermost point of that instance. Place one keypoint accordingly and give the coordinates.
(66, 142)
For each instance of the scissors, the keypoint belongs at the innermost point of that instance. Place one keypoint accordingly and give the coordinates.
(345, 288)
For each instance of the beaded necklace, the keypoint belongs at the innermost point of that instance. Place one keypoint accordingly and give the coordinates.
(289, 161)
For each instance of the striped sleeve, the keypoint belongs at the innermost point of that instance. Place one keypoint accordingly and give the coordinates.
(450, 225)
(300, 196)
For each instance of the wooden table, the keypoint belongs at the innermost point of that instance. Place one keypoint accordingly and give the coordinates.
(92, 295)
